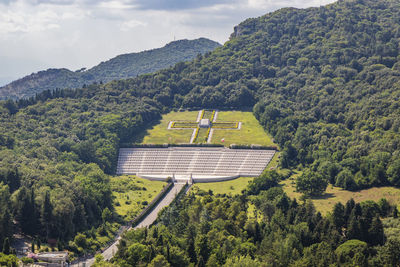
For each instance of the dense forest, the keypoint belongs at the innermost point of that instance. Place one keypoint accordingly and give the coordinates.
(120, 67)
(207, 230)
(323, 81)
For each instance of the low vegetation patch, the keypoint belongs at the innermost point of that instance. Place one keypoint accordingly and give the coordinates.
(233, 187)
(132, 194)
(333, 194)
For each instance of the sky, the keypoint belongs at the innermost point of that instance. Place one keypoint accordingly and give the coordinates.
(40, 34)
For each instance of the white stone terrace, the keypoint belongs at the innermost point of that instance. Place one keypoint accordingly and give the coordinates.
(202, 164)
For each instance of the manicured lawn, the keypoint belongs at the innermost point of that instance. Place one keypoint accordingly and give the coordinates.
(325, 203)
(202, 135)
(159, 134)
(207, 114)
(131, 194)
(250, 133)
(233, 187)
(185, 125)
(225, 125)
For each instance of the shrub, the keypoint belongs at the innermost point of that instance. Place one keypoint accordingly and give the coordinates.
(311, 183)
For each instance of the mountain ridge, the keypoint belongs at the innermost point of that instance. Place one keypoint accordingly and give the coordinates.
(122, 66)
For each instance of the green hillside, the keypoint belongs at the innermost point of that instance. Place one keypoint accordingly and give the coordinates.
(120, 67)
(324, 82)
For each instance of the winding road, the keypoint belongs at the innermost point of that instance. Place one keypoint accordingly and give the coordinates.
(146, 222)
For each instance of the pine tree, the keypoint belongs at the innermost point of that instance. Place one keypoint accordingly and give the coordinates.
(46, 213)
(202, 249)
(5, 214)
(168, 253)
(258, 235)
(6, 246)
(23, 209)
(60, 246)
(200, 262)
(338, 216)
(38, 243)
(375, 232)
(13, 179)
(33, 216)
(160, 241)
(349, 207)
(395, 212)
(191, 251)
(353, 227)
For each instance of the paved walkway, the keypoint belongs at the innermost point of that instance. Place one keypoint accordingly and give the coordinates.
(215, 116)
(193, 136)
(210, 136)
(146, 222)
(199, 116)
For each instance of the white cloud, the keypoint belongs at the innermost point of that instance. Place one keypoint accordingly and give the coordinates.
(17, 21)
(130, 24)
(116, 5)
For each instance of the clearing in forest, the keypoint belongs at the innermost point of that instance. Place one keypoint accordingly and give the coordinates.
(333, 194)
(132, 194)
(208, 126)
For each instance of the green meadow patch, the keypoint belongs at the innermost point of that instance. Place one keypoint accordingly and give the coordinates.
(250, 132)
(132, 194)
(159, 134)
(233, 187)
(333, 194)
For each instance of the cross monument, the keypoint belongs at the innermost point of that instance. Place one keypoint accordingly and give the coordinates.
(205, 122)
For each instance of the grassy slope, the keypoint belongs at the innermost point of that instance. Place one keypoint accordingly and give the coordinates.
(250, 133)
(130, 194)
(333, 194)
(233, 187)
(274, 161)
(159, 134)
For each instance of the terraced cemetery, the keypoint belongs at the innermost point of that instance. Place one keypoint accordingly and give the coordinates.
(200, 164)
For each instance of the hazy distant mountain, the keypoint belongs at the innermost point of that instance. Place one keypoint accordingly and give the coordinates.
(119, 67)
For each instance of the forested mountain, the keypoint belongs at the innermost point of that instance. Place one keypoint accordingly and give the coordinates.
(120, 67)
(325, 82)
